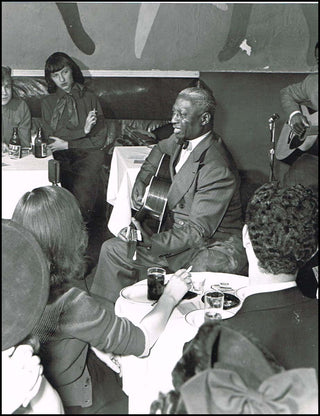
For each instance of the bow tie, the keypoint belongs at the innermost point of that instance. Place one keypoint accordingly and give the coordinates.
(185, 144)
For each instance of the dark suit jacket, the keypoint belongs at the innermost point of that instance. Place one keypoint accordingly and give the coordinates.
(285, 322)
(203, 200)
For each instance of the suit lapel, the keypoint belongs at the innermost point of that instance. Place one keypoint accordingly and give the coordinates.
(183, 179)
(173, 160)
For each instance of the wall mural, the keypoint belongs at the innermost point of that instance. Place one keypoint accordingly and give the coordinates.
(71, 17)
(244, 37)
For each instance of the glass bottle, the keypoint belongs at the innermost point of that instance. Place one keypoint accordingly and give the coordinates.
(15, 145)
(40, 145)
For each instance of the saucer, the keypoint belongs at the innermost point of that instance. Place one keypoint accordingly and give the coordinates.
(196, 318)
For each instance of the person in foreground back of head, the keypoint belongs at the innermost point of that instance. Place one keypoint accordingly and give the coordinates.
(280, 235)
(73, 320)
(25, 290)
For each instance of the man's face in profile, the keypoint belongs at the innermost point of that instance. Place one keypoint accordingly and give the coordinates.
(186, 120)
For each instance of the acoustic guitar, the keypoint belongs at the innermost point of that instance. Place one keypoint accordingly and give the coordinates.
(290, 143)
(154, 203)
(155, 197)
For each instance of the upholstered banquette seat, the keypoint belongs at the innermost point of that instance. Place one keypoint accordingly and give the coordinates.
(132, 106)
(128, 104)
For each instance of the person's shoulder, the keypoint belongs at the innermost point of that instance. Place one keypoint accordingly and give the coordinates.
(312, 79)
(17, 103)
(69, 298)
(22, 104)
(49, 99)
(168, 145)
(218, 151)
(87, 92)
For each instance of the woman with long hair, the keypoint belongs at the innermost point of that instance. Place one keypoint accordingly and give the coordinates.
(73, 123)
(73, 320)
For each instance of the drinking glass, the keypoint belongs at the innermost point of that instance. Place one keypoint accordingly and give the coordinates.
(198, 281)
(213, 304)
(156, 276)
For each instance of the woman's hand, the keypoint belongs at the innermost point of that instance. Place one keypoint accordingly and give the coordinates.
(21, 377)
(90, 121)
(178, 285)
(57, 144)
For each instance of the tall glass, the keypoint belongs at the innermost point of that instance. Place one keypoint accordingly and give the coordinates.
(156, 276)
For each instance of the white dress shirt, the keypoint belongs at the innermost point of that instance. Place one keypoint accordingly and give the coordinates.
(268, 287)
(185, 153)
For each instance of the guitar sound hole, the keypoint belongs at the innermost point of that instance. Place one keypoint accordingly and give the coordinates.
(295, 142)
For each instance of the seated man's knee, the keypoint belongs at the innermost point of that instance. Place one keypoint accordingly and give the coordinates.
(113, 246)
(221, 256)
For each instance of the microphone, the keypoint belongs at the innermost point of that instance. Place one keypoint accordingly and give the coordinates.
(273, 118)
(54, 171)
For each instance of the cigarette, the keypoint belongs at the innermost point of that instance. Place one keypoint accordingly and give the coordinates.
(189, 269)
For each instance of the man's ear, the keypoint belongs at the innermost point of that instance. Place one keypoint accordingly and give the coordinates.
(205, 118)
(245, 236)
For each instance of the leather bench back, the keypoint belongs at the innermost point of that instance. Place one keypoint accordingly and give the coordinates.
(136, 98)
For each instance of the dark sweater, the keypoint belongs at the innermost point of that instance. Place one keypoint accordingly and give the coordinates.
(85, 101)
(67, 328)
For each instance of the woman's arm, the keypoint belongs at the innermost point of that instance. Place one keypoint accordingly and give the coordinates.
(85, 318)
(77, 137)
(155, 321)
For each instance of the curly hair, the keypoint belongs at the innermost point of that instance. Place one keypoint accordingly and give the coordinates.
(53, 215)
(56, 62)
(283, 226)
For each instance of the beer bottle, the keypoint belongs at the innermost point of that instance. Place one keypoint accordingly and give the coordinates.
(40, 145)
(15, 145)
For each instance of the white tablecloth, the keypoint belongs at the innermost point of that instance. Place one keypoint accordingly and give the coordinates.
(125, 165)
(144, 378)
(20, 176)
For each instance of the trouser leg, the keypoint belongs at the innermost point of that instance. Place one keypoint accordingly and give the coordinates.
(226, 256)
(86, 181)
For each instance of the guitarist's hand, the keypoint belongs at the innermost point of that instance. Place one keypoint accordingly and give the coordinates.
(299, 123)
(146, 241)
(124, 234)
(137, 195)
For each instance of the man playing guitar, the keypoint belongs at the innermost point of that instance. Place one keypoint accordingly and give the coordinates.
(304, 168)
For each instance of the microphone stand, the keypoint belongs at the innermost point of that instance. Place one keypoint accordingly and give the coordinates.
(272, 120)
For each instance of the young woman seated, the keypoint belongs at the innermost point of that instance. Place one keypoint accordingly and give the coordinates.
(73, 321)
